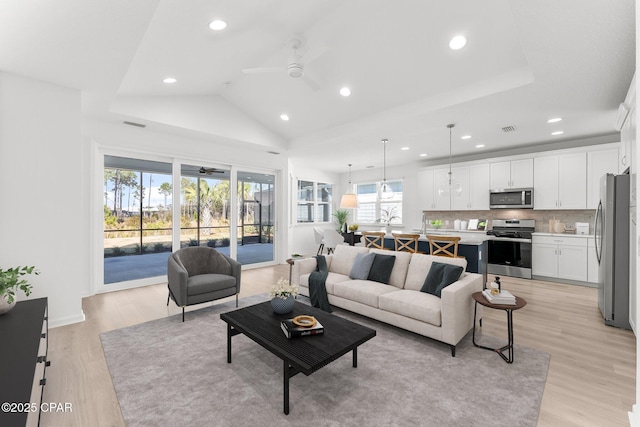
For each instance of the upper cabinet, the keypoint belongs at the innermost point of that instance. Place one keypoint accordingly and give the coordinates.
(433, 189)
(473, 182)
(560, 182)
(599, 162)
(511, 174)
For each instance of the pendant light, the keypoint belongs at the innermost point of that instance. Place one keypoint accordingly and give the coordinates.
(452, 187)
(349, 200)
(385, 191)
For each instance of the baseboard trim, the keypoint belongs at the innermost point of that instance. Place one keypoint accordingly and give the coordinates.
(69, 320)
(634, 418)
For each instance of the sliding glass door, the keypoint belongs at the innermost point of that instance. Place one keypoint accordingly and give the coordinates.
(137, 218)
(256, 217)
(205, 207)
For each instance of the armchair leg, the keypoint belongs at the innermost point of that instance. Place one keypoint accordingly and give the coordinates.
(168, 298)
(236, 300)
(453, 351)
(183, 313)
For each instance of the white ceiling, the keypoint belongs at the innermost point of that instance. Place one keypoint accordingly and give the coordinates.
(525, 62)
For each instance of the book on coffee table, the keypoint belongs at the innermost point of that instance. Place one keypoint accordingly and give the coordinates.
(291, 330)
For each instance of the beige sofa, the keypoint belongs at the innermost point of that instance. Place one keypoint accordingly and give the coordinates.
(400, 303)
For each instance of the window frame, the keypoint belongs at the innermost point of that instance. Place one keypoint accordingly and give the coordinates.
(379, 204)
(315, 203)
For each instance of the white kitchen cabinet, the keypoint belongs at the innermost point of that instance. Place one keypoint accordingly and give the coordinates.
(560, 182)
(430, 184)
(563, 257)
(599, 162)
(426, 184)
(511, 174)
(474, 182)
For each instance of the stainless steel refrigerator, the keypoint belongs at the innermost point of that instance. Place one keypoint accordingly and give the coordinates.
(612, 249)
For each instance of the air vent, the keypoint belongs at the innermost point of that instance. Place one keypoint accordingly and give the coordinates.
(273, 152)
(140, 125)
(508, 129)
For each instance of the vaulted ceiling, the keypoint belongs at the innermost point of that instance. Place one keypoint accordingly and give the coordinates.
(524, 63)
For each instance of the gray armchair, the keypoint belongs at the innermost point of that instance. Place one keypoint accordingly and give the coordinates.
(200, 274)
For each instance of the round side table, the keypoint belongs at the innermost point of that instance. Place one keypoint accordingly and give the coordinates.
(509, 308)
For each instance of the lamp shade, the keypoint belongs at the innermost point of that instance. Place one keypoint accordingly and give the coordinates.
(349, 201)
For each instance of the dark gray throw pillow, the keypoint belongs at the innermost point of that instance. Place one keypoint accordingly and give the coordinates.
(362, 266)
(440, 276)
(381, 268)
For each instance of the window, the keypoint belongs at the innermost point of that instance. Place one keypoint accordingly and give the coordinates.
(371, 210)
(314, 201)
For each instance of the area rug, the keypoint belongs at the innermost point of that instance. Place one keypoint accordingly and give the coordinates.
(169, 373)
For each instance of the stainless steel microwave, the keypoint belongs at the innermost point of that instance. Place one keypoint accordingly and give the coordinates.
(511, 198)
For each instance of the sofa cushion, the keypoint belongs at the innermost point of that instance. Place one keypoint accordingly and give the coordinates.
(400, 267)
(362, 291)
(414, 304)
(440, 275)
(343, 258)
(420, 265)
(362, 266)
(332, 278)
(381, 268)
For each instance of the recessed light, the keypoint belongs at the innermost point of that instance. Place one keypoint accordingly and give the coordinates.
(465, 137)
(423, 155)
(217, 25)
(480, 146)
(284, 117)
(554, 120)
(345, 91)
(558, 132)
(457, 43)
(405, 148)
(169, 80)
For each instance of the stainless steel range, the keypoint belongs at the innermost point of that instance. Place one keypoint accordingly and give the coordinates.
(509, 250)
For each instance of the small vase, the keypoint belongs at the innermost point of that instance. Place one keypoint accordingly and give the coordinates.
(5, 306)
(283, 306)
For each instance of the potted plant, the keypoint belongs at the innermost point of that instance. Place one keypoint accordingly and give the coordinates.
(341, 216)
(282, 296)
(12, 280)
(388, 215)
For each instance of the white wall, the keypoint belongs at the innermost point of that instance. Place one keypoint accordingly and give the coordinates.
(42, 221)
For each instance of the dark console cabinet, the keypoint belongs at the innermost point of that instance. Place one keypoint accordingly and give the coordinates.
(23, 362)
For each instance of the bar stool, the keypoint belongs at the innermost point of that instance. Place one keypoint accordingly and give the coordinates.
(373, 239)
(406, 242)
(443, 245)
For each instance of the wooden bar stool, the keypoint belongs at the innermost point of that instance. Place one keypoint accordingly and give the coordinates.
(406, 242)
(373, 239)
(443, 245)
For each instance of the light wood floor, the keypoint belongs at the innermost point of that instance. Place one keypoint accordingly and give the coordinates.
(591, 378)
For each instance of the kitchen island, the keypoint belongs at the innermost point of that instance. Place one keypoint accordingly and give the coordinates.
(472, 246)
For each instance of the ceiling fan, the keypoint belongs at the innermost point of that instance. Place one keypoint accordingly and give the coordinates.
(296, 63)
(209, 171)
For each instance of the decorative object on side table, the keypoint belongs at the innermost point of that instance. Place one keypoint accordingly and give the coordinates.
(282, 296)
(11, 280)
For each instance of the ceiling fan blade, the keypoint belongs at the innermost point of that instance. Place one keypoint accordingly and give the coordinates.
(314, 53)
(312, 81)
(262, 70)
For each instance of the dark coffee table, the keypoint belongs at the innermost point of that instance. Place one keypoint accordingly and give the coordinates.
(300, 354)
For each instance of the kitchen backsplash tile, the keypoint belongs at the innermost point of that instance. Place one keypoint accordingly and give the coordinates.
(568, 217)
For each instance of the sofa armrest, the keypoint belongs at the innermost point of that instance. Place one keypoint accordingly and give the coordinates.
(306, 266)
(457, 307)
